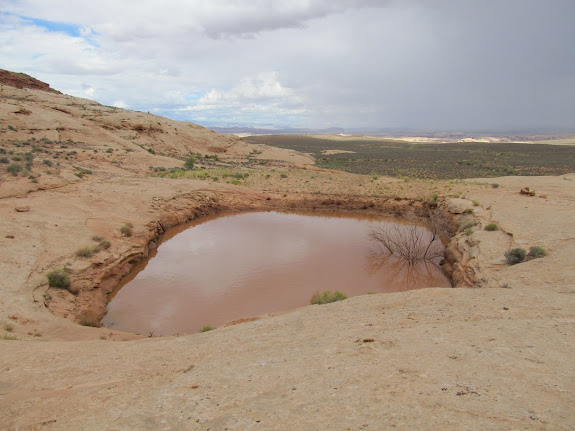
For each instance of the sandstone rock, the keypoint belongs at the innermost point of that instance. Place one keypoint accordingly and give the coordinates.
(458, 206)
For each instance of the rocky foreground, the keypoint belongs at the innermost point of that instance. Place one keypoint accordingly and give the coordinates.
(499, 356)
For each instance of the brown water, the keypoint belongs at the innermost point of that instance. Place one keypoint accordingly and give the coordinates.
(244, 265)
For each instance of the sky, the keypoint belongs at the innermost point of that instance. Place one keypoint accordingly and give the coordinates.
(432, 65)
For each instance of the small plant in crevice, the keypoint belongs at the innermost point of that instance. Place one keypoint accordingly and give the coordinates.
(207, 328)
(467, 222)
(536, 252)
(126, 230)
(86, 251)
(327, 297)
(103, 243)
(515, 256)
(491, 227)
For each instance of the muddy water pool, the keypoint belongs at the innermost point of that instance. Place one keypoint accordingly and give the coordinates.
(243, 265)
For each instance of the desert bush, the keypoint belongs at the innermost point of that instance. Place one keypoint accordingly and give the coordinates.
(491, 227)
(476, 203)
(58, 278)
(516, 255)
(207, 328)
(536, 252)
(105, 244)
(467, 222)
(4, 160)
(14, 169)
(189, 163)
(86, 251)
(327, 297)
(126, 230)
(468, 231)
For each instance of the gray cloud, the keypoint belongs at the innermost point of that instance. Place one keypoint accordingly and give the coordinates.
(415, 64)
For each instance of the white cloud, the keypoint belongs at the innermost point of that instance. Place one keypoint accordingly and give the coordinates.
(347, 63)
(261, 96)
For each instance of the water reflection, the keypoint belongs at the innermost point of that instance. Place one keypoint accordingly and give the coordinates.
(405, 275)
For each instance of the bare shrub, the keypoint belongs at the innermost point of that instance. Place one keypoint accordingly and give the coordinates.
(410, 241)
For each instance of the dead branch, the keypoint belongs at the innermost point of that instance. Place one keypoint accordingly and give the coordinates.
(410, 241)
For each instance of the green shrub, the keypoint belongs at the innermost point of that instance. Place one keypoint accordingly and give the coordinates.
(189, 163)
(468, 231)
(537, 251)
(86, 251)
(58, 278)
(207, 328)
(327, 297)
(126, 230)
(516, 255)
(476, 203)
(14, 168)
(491, 227)
(5, 160)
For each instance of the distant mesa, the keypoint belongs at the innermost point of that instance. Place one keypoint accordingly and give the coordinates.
(21, 80)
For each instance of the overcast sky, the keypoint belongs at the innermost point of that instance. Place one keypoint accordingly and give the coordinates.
(426, 64)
